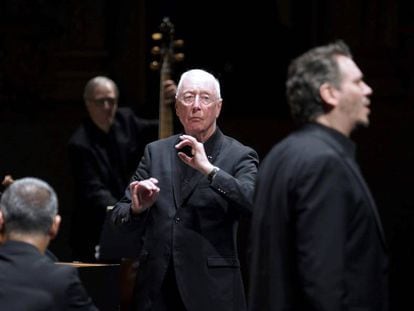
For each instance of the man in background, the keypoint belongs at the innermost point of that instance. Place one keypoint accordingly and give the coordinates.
(104, 152)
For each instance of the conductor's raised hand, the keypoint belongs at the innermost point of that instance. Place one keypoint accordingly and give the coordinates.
(143, 194)
(196, 156)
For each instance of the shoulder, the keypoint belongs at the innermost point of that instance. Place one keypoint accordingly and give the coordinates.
(79, 135)
(42, 264)
(127, 116)
(125, 112)
(60, 273)
(303, 143)
(301, 150)
(83, 136)
(164, 143)
(234, 145)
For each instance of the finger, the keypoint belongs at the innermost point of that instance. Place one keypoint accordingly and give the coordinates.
(186, 159)
(182, 144)
(148, 185)
(189, 138)
(133, 186)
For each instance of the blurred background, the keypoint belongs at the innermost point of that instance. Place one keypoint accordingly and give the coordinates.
(50, 48)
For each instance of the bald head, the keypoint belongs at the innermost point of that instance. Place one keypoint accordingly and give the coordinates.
(93, 83)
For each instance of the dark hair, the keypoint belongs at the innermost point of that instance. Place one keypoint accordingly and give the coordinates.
(307, 73)
(29, 205)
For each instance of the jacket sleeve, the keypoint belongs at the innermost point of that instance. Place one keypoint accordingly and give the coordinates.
(87, 177)
(236, 183)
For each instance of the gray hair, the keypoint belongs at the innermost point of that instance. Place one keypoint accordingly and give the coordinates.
(97, 81)
(198, 73)
(29, 205)
(307, 73)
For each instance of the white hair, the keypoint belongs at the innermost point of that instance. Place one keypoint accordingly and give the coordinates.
(200, 75)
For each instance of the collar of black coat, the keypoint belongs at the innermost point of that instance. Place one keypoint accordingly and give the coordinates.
(211, 146)
(347, 145)
(211, 143)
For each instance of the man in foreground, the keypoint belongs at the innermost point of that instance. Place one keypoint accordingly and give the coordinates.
(30, 280)
(316, 238)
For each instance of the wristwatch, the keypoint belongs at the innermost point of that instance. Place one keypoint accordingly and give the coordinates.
(212, 174)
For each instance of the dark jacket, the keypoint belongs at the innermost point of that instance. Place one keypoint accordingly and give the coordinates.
(33, 282)
(102, 165)
(316, 238)
(193, 224)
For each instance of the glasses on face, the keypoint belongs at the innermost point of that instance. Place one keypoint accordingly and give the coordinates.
(101, 101)
(204, 99)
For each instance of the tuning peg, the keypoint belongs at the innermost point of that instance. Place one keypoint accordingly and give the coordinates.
(178, 57)
(154, 65)
(156, 50)
(178, 43)
(156, 36)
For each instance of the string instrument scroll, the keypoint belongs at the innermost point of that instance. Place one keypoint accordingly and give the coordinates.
(165, 51)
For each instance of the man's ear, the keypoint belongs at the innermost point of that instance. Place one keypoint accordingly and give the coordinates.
(329, 94)
(54, 229)
(2, 236)
(1, 221)
(219, 105)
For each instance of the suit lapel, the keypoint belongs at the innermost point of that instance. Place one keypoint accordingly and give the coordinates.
(355, 170)
(369, 198)
(176, 175)
(188, 187)
(184, 186)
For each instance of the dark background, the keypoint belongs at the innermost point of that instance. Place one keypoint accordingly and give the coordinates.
(50, 48)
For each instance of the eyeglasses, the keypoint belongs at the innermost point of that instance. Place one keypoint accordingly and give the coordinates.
(204, 99)
(101, 101)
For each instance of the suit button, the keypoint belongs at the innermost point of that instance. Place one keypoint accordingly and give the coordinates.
(177, 219)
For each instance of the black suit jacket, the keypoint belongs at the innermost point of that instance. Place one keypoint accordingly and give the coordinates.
(31, 281)
(102, 165)
(193, 224)
(317, 240)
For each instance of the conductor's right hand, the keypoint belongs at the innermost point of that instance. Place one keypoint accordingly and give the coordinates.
(143, 194)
